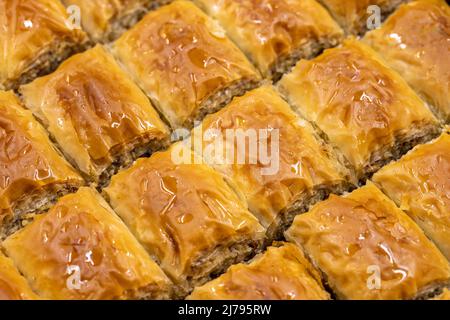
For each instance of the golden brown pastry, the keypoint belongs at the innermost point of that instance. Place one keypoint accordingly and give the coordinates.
(275, 34)
(362, 106)
(185, 215)
(419, 184)
(32, 173)
(368, 248)
(35, 37)
(415, 42)
(445, 295)
(81, 250)
(13, 285)
(297, 170)
(184, 62)
(101, 120)
(280, 273)
(106, 20)
(352, 15)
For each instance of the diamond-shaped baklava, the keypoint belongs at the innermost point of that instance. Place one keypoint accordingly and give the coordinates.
(419, 183)
(32, 173)
(186, 216)
(367, 248)
(80, 249)
(280, 273)
(13, 286)
(106, 20)
(36, 35)
(275, 34)
(364, 108)
(353, 15)
(184, 62)
(415, 42)
(273, 156)
(101, 120)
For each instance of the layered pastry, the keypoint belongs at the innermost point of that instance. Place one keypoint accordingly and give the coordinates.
(357, 16)
(445, 295)
(362, 107)
(106, 20)
(36, 36)
(185, 63)
(280, 273)
(100, 119)
(367, 248)
(186, 216)
(32, 173)
(420, 185)
(275, 34)
(13, 286)
(415, 42)
(80, 249)
(272, 155)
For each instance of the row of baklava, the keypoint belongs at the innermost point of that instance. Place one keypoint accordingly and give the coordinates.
(102, 121)
(362, 245)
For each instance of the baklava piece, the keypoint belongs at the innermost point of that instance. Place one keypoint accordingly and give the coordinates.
(185, 215)
(81, 250)
(185, 63)
(445, 295)
(419, 184)
(272, 156)
(32, 173)
(353, 15)
(35, 37)
(415, 42)
(100, 119)
(360, 105)
(367, 248)
(275, 34)
(280, 273)
(13, 286)
(106, 20)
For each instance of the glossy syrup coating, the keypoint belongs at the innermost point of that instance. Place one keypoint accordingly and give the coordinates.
(180, 212)
(28, 161)
(270, 29)
(81, 250)
(180, 57)
(29, 27)
(13, 286)
(415, 42)
(363, 237)
(352, 15)
(280, 273)
(356, 100)
(419, 184)
(298, 161)
(97, 15)
(93, 110)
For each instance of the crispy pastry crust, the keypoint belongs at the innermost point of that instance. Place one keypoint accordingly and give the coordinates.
(100, 119)
(184, 62)
(35, 38)
(280, 273)
(403, 181)
(352, 15)
(275, 34)
(13, 286)
(81, 250)
(360, 105)
(33, 173)
(357, 239)
(186, 216)
(414, 41)
(305, 171)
